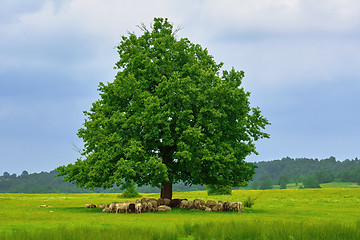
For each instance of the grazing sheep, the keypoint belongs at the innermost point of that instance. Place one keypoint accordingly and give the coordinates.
(167, 202)
(199, 204)
(164, 208)
(112, 206)
(235, 205)
(207, 209)
(218, 207)
(183, 204)
(106, 210)
(175, 203)
(210, 204)
(138, 207)
(144, 200)
(101, 206)
(164, 201)
(149, 207)
(122, 207)
(191, 205)
(160, 201)
(131, 207)
(240, 207)
(154, 204)
(227, 206)
(144, 206)
(90, 206)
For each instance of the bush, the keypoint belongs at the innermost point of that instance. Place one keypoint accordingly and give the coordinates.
(219, 190)
(249, 202)
(311, 182)
(266, 184)
(130, 191)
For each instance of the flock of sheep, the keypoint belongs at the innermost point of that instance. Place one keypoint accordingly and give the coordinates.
(152, 205)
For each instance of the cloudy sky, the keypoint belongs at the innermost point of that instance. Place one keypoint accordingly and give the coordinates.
(301, 60)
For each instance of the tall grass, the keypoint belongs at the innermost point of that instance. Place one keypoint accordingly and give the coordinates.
(208, 230)
(276, 214)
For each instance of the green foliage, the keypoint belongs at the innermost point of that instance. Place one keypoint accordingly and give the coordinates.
(324, 176)
(324, 170)
(266, 184)
(168, 116)
(311, 182)
(255, 185)
(249, 202)
(219, 190)
(283, 181)
(130, 191)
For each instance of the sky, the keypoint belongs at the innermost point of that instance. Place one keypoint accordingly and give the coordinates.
(301, 60)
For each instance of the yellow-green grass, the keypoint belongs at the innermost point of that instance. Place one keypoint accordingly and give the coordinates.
(323, 185)
(340, 185)
(331, 213)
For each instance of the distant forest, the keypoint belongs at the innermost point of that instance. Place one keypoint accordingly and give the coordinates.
(269, 174)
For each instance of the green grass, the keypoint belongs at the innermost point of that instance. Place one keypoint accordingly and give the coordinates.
(340, 185)
(327, 213)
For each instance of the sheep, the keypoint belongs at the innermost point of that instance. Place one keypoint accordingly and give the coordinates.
(235, 205)
(163, 208)
(175, 203)
(122, 207)
(199, 204)
(167, 202)
(146, 206)
(138, 207)
(112, 207)
(210, 204)
(90, 206)
(154, 204)
(218, 207)
(207, 209)
(131, 207)
(183, 204)
(164, 201)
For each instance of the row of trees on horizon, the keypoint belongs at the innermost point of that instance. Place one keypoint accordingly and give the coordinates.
(309, 172)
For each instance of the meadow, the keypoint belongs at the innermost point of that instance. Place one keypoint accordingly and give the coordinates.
(328, 213)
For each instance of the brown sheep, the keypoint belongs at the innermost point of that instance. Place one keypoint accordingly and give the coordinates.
(218, 207)
(210, 204)
(227, 205)
(199, 204)
(164, 201)
(184, 204)
(175, 203)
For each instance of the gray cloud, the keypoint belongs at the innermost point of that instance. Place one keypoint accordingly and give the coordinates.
(301, 62)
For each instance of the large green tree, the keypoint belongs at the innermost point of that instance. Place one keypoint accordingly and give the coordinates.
(168, 116)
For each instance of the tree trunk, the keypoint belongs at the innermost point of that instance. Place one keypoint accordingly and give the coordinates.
(166, 191)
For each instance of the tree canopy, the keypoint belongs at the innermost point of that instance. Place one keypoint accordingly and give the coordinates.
(168, 116)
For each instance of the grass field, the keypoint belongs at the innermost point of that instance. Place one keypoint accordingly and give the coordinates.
(329, 213)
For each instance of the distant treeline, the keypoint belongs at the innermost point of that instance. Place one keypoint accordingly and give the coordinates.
(48, 182)
(310, 172)
(304, 170)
